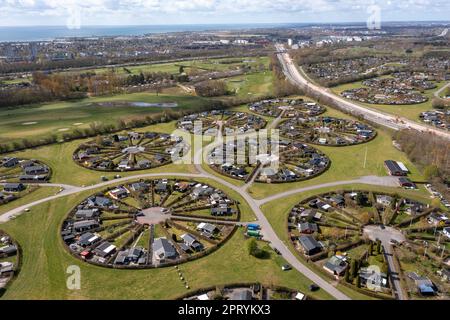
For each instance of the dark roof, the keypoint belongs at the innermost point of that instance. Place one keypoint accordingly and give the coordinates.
(308, 227)
(393, 167)
(309, 243)
(162, 244)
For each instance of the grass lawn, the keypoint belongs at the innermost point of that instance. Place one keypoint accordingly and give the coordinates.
(251, 85)
(347, 163)
(190, 65)
(65, 170)
(56, 118)
(37, 194)
(410, 112)
(43, 274)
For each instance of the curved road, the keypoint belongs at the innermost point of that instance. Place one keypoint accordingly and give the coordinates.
(381, 118)
(437, 94)
(255, 205)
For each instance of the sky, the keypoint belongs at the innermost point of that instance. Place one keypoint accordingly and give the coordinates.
(151, 12)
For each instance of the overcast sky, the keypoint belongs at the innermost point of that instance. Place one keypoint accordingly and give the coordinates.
(148, 12)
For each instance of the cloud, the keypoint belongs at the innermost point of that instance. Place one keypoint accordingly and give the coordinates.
(111, 11)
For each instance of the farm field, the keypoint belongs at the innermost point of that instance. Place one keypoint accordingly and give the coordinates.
(43, 254)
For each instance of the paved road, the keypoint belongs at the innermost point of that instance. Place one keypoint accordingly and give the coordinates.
(385, 236)
(268, 231)
(370, 180)
(255, 205)
(437, 94)
(387, 120)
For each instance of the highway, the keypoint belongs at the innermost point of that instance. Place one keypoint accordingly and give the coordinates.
(383, 119)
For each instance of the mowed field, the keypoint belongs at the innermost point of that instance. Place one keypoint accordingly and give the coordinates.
(56, 118)
(190, 66)
(410, 112)
(252, 85)
(45, 262)
(40, 120)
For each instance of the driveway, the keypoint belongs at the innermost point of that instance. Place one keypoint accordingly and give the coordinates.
(385, 236)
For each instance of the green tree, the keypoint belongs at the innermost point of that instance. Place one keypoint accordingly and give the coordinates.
(431, 172)
(360, 199)
(252, 246)
(347, 275)
(385, 268)
(378, 248)
(353, 268)
(358, 281)
(370, 248)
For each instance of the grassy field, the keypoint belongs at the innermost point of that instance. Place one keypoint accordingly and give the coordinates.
(347, 163)
(189, 66)
(410, 112)
(43, 274)
(251, 85)
(37, 194)
(56, 118)
(41, 120)
(65, 170)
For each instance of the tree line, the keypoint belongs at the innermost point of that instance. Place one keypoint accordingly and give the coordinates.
(430, 153)
(282, 86)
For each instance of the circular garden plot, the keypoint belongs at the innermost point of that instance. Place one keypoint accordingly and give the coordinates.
(399, 90)
(130, 151)
(244, 159)
(345, 234)
(150, 223)
(327, 131)
(16, 174)
(9, 260)
(287, 108)
(229, 121)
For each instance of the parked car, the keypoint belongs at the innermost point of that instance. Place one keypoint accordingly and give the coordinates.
(313, 287)
(277, 251)
(286, 267)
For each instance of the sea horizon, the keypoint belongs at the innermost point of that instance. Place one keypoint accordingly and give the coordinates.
(52, 32)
